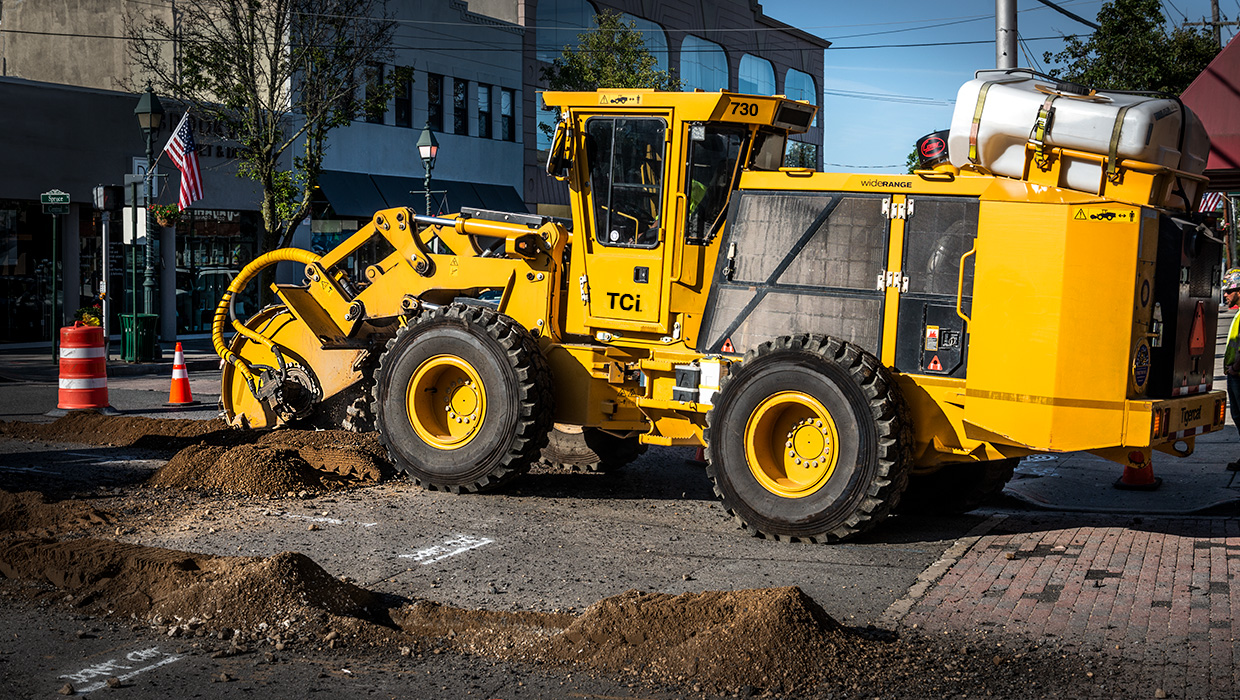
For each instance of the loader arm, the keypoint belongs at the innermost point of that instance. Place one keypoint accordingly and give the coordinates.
(316, 343)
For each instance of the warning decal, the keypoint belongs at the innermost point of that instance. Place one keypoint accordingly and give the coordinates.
(1105, 214)
(727, 345)
(932, 338)
(935, 365)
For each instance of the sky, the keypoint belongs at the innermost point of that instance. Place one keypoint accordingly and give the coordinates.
(878, 101)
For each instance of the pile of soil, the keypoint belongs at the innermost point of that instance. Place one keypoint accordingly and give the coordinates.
(743, 642)
(30, 512)
(287, 591)
(279, 462)
(209, 455)
(89, 428)
(768, 638)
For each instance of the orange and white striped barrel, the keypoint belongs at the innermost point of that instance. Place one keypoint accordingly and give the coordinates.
(83, 368)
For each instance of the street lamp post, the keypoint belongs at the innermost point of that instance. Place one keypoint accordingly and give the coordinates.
(428, 148)
(150, 115)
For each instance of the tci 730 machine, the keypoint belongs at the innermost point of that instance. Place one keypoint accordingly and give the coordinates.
(836, 342)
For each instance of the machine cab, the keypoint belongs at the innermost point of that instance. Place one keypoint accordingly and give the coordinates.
(650, 186)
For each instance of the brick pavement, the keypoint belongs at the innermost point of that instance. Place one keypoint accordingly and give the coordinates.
(1157, 596)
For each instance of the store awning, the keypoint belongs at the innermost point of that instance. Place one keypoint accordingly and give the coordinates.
(448, 196)
(351, 194)
(1215, 97)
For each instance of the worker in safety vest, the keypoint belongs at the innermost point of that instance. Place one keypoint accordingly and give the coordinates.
(1231, 356)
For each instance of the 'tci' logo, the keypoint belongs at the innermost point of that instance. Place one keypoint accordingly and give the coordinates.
(628, 302)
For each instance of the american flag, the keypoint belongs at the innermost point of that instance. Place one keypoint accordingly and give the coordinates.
(184, 153)
(1210, 201)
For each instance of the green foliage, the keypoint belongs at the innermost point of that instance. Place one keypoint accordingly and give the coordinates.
(166, 212)
(912, 161)
(277, 74)
(613, 55)
(1135, 50)
(90, 315)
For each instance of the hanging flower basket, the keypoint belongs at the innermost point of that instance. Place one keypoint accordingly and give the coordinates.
(166, 214)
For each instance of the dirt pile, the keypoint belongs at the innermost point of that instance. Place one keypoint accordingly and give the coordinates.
(288, 591)
(768, 638)
(209, 455)
(88, 428)
(276, 463)
(30, 512)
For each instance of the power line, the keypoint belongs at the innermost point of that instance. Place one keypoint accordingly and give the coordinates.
(945, 43)
(1068, 14)
(456, 47)
(889, 97)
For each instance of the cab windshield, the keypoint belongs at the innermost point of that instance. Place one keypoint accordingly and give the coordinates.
(714, 154)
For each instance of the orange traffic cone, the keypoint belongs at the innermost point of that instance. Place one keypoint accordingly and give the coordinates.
(179, 394)
(1138, 474)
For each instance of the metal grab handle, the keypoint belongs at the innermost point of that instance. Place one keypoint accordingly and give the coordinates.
(960, 287)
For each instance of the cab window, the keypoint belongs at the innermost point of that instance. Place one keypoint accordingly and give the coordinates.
(714, 153)
(626, 179)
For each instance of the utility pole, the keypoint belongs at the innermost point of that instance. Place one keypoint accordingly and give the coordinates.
(1005, 33)
(1215, 23)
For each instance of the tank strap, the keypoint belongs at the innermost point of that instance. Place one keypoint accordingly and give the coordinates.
(1043, 123)
(977, 114)
(1113, 151)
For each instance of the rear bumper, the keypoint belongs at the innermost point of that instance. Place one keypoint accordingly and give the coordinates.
(1164, 421)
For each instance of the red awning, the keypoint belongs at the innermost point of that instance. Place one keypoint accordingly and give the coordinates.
(1215, 97)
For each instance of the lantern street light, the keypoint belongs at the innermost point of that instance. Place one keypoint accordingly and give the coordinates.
(150, 115)
(428, 148)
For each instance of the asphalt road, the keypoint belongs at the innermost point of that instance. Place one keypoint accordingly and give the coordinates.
(548, 542)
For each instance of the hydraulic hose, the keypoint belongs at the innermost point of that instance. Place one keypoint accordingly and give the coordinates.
(225, 308)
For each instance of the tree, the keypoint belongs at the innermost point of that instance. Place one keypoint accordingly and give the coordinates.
(1134, 50)
(276, 73)
(612, 55)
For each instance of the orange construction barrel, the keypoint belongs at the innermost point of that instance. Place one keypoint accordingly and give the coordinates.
(83, 368)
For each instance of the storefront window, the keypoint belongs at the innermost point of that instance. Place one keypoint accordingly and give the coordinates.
(703, 64)
(25, 273)
(559, 23)
(212, 247)
(756, 76)
(652, 36)
(800, 86)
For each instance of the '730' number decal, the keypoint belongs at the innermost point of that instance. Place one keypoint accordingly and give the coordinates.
(745, 109)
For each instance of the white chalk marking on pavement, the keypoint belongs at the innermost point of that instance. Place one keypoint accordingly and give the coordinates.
(108, 668)
(448, 548)
(330, 521)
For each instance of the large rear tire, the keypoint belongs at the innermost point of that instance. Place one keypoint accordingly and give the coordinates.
(809, 440)
(588, 450)
(462, 399)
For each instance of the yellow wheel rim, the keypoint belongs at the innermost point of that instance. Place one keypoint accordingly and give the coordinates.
(446, 402)
(792, 444)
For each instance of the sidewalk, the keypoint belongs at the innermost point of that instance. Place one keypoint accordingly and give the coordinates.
(34, 363)
(1154, 596)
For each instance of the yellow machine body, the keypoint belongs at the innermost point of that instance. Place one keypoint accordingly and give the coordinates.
(1058, 309)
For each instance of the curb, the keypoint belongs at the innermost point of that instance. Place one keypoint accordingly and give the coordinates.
(890, 619)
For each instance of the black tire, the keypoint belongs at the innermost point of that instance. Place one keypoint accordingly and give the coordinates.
(590, 450)
(956, 488)
(512, 387)
(868, 440)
